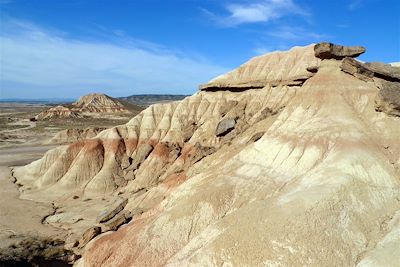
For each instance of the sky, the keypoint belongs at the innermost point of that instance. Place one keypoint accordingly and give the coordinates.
(68, 48)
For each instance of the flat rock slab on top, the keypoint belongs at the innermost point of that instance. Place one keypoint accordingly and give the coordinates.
(328, 50)
(276, 68)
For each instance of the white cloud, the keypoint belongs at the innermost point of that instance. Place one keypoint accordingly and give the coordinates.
(353, 4)
(297, 33)
(35, 62)
(261, 50)
(258, 11)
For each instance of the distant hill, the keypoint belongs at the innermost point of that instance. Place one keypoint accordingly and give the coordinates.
(89, 105)
(46, 101)
(147, 100)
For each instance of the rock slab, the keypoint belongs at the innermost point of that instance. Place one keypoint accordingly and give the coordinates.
(88, 235)
(112, 210)
(326, 50)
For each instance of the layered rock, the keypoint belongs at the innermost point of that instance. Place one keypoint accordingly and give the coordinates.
(75, 134)
(277, 68)
(276, 173)
(57, 113)
(86, 106)
(99, 103)
(385, 76)
(328, 51)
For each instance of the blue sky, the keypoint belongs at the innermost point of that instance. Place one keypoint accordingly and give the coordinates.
(64, 49)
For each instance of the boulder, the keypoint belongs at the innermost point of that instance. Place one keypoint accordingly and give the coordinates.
(141, 154)
(256, 137)
(88, 235)
(120, 219)
(388, 99)
(225, 126)
(326, 50)
(115, 208)
(312, 69)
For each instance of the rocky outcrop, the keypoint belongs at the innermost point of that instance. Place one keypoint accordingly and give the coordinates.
(113, 224)
(88, 235)
(326, 50)
(388, 99)
(369, 70)
(386, 78)
(308, 175)
(225, 126)
(277, 68)
(75, 134)
(86, 106)
(384, 71)
(99, 103)
(58, 112)
(111, 211)
(36, 251)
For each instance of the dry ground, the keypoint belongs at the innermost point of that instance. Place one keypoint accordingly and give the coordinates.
(17, 130)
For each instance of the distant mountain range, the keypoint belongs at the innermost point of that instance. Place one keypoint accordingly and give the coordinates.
(37, 101)
(143, 100)
(147, 100)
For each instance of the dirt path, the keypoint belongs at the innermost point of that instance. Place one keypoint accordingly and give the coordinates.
(22, 155)
(28, 125)
(20, 218)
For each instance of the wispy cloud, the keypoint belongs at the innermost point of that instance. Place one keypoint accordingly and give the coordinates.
(297, 33)
(257, 11)
(353, 4)
(260, 50)
(264, 49)
(39, 62)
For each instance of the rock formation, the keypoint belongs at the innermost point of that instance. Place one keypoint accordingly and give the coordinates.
(75, 134)
(273, 69)
(99, 103)
(283, 161)
(88, 105)
(328, 50)
(57, 113)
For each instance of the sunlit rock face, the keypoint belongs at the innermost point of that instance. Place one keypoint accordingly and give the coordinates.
(87, 105)
(58, 112)
(98, 103)
(303, 172)
(289, 67)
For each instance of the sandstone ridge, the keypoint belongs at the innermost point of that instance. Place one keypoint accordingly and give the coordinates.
(284, 161)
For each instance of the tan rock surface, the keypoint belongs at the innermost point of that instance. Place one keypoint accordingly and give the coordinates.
(56, 113)
(75, 134)
(309, 176)
(326, 50)
(273, 68)
(99, 103)
(88, 105)
(111, 211)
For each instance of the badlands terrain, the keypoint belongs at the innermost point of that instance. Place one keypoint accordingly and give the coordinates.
(292, 159)
(30, 124)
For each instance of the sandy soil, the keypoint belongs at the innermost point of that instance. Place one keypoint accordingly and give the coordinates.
(16, 212)
(18, 156)
(16, 129)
